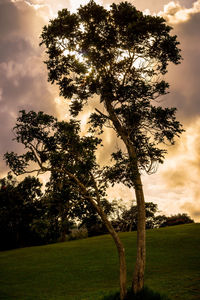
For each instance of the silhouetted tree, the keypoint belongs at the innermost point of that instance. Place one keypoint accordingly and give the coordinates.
(177, 220)
(67, 208)
(127, 218)
(120, 55)
(58, 148)
(61, 202)
(89, 218)
(19, 207)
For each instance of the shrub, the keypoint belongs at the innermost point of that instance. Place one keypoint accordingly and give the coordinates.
(177, 220)
(145, 294)
(77, 234)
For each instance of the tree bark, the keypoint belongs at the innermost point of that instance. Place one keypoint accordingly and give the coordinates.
(138, 277)
(121, 254)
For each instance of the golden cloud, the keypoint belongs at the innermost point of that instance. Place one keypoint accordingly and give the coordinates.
(174, 13)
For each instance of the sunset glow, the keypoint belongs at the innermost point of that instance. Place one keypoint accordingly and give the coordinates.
(24, 85)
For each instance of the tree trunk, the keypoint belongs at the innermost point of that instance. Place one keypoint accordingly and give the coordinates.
(138, 277)
(120, 250)
(118, 243)
(122, 259)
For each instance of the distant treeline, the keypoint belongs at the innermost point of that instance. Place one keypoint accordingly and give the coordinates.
(30, 217)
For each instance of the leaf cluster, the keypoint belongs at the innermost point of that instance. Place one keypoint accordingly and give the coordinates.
(53, 145)
(86, 47)
(57, 147)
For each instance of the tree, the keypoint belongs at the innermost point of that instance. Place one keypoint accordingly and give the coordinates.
(58, 148)
(127, 218)
(66, 207)
(61, 202)
(120, 55)
(89, 218)
(19, 207)
(177, 220)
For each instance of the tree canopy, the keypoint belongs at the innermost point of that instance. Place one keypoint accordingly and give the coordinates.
(120, 55)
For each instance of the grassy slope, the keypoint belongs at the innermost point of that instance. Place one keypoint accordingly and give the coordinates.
(84, 269)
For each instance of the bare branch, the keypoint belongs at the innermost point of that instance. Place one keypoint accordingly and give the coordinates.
(102, 114)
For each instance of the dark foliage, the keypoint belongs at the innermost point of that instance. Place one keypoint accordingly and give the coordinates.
(144, 294)
(127, 218)
(28, 217)
(19, 208)
(56, 147)
(177, 220)
(120, 55)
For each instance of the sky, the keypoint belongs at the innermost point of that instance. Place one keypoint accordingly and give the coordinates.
(23, 85)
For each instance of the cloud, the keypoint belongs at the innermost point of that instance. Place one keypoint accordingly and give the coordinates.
(181, 171)
(23, 85)
(174, 13)
(23, 76)
(184, 78)
(49, 7)
(177, 181)
(153, 6)
(193, 209)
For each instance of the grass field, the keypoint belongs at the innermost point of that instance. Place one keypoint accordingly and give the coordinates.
(88, 269)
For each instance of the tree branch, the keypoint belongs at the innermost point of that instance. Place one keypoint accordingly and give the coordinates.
(103, 115)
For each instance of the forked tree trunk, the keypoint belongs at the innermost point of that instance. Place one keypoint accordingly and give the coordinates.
(138, 277)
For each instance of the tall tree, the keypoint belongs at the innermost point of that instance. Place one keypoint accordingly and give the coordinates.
(58, 148)
(120, 55)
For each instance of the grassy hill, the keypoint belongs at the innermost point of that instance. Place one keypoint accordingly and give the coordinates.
(88, 269)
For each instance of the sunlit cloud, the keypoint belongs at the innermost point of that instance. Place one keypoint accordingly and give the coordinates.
(177, 181)
(23, 85)
(174, 13)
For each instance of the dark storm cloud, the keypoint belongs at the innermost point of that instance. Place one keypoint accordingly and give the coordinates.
(9, 18)
(184, 79)
(23, 78)
(22, 48)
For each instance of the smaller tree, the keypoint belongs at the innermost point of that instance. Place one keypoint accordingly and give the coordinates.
(89, 218)
(67, 208)
(127, 218)
(58, 148)
(61, 199)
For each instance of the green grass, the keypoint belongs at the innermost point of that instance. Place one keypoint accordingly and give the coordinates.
(88, 269)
